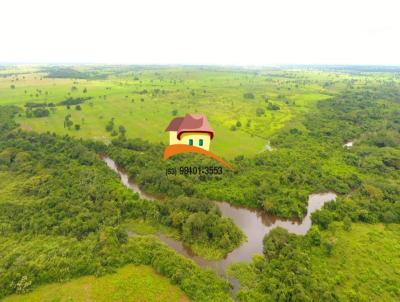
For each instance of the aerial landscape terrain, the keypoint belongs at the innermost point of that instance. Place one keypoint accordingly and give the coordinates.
(310, 210)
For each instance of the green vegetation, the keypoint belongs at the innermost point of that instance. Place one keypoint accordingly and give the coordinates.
(131, 283)
(28, 261)
(361, 264)
(64, 214)
(308, 157)
(217, 93)
(364, 264)
(199, 224)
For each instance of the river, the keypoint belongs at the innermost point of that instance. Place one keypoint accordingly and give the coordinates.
(254, 223)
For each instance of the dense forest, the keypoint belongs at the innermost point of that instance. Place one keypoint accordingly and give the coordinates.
(62, 219)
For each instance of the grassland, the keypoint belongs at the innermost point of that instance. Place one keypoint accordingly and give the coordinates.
(142, 99)
(130, 283)
(365, 262)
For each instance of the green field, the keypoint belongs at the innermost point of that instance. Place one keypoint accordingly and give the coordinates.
(217, 93)
(365, 262)
(130, 283)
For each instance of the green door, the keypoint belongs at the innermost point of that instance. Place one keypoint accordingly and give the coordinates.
(190, 142)
(200, 142)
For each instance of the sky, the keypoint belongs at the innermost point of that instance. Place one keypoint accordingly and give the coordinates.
(203, 32)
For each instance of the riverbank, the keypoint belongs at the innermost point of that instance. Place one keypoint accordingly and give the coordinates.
(254, 223)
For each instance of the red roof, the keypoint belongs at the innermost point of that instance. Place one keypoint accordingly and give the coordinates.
(174, 124)
(190, 123)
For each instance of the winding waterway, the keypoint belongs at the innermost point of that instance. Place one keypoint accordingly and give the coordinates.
(254, 223)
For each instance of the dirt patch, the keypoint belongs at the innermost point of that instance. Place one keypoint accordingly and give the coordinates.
(26, 127)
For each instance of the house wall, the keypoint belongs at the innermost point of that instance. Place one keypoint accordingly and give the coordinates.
(173, 140)
(196, 137)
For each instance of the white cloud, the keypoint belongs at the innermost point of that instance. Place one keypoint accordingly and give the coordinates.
(201, 32)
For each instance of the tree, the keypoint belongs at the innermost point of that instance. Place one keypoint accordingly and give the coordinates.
(315, 236)
(110, 125)
(41, 112)
(174, 112)
(77, 127)
(84, 90)
(12, 86)
(347, 224)
(122, 130)
(28, 113)
(260, 111)
(23, 285)
(295, 131)
(248, 95)
(67, 121)
(238, 124)
(275, 241)
(78, 107)
(329, 245)
(194, 226)
(322, 218)
(69, 124)
(271, 106)
(6, 156)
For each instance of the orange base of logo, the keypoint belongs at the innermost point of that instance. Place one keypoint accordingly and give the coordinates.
(172, 150)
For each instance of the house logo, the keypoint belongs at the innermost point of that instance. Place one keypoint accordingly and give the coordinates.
(191, 133)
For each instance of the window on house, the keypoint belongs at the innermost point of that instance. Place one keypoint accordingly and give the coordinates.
(190, 142)
(200, 142)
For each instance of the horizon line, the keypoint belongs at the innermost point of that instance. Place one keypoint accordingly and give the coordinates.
(204, 65)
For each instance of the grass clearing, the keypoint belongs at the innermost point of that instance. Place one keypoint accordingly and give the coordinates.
(143, 99)
(365, 262)
(130, 283)
(143, 227)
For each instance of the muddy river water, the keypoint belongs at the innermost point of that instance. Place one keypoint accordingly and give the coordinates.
(254, 223)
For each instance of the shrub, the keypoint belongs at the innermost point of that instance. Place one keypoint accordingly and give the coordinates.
(40, 112)
(260, 111)
(248, 95)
